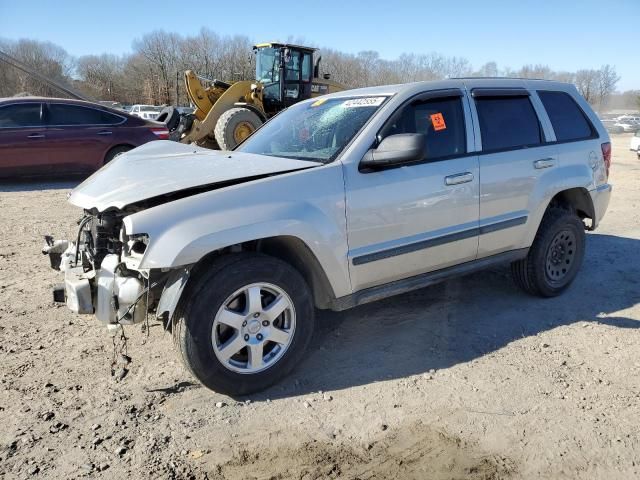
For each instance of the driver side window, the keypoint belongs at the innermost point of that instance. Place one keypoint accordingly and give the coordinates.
(441, 120)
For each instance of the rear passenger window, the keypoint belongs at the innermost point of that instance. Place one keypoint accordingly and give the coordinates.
(61, 114)
(441, 120)
(507, 122)
(20, 115)
(567, 118)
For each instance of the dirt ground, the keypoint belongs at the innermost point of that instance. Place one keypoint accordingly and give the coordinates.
(467, 379)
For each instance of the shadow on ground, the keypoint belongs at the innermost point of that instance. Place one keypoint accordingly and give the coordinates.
(460, 320)
(34, 185)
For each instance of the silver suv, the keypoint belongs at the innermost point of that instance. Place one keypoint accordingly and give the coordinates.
(337, 201)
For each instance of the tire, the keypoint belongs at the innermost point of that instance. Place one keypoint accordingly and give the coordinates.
(233, 125)
(170, 116)
(555, 257)
(114, 152)
(219, 355)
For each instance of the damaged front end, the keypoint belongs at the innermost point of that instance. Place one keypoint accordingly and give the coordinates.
(101, 274)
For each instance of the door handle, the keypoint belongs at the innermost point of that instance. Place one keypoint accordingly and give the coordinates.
(544, 163)
(458, 178)
(105, 132)
(36, 135)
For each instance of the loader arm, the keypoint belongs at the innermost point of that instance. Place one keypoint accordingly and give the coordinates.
(239, 92)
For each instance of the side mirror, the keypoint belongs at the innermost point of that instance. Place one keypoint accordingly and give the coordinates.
(395, 150)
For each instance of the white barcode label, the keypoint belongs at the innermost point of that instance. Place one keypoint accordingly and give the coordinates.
(364, 102)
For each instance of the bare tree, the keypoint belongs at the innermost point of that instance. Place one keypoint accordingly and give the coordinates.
(587, 84)
(50, 60)
(606, 84)
(153, 73)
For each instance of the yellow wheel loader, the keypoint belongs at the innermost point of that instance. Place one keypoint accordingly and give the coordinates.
(227, 113)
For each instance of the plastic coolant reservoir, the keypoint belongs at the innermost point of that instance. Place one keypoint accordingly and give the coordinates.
(126, 289)
(129, 289)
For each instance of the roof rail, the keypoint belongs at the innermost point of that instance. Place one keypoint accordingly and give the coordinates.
(502, 78)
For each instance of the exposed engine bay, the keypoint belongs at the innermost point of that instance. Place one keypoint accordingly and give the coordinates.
(101, 274)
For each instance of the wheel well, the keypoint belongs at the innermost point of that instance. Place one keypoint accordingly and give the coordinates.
(576, 200)
(120, 145)
(288, 249)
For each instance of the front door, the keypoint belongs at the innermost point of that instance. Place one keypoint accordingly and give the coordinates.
(419, 217)
(23, 149)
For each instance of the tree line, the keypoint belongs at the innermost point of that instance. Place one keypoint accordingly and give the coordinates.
(153, 72)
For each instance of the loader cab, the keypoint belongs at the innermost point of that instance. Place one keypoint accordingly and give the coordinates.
(286, 73)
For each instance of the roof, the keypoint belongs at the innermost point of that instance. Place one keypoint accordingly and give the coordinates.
(70, 101)
(290, 45)
(49, 99)
(473, 82)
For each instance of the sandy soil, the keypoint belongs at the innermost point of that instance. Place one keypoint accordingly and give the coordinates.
(468, 379)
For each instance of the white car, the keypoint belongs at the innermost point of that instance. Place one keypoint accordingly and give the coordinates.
(627, 118)
(635, 143)
(628, 125)
(148, 112)
(337, 201)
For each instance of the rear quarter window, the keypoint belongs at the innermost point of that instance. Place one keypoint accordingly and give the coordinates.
(567, 118)
(507, 123)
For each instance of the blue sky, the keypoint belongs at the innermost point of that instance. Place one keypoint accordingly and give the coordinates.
(562, 34)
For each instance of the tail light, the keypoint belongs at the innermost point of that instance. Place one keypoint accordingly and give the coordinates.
(163, 134)
(606, 155)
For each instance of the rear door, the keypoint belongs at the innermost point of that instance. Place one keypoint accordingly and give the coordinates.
(23, 150)
(79, 136)
(513, 158)
(418, 217)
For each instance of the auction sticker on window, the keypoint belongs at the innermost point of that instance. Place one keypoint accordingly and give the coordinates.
(363, 102)
(437, 120)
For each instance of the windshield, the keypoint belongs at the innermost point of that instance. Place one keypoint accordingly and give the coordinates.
(315, 131)
(268, 65)
(150, 108)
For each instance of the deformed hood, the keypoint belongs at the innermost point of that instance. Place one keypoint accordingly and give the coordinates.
(162, 167)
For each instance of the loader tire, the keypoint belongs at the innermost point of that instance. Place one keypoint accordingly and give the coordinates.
(234, 126)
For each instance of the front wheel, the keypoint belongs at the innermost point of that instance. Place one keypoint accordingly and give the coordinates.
(245, 323)
(555, 256)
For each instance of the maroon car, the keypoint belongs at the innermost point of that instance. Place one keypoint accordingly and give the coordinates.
(52, 136)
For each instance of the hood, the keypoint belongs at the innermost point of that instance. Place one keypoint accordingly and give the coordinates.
(162, 168)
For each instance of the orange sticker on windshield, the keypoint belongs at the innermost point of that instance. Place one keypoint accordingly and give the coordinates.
(437, 120)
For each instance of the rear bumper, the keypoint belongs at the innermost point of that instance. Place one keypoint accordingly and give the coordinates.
(600, 197)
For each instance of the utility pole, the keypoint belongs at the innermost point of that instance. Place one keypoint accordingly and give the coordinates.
(177, 88)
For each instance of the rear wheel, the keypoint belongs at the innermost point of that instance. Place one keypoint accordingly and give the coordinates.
(234, 126)
(555, 256)
(115, 151)
(245, 323)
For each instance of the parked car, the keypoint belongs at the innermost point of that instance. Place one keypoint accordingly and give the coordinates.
(635, 143)
(627, 118)
(337, 201)
(148, 112)
(612, 126)
(52, 136)
(628, 125)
